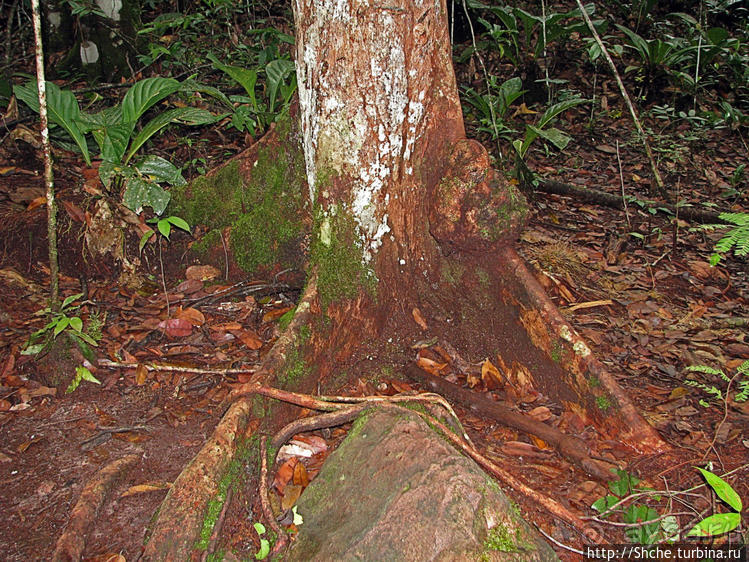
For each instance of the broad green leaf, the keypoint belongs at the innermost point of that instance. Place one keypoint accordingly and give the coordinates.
(277, 71)
(723, 489)
(186, 115)
(33, 349)
(190, 85)
(70, 299)
(113, 141)
(245, 77)
(62, 323)
(83, 345)
(558, 108)
(262, 554)
(140, 193)
(62, 109)
(107, 169)
(259, 528)
(144, 94)
(76, 323)
(164, 228)
(86, 375)
(716, 524)
(160, 170)
(179, 223)
(555, 136)
(144, 239)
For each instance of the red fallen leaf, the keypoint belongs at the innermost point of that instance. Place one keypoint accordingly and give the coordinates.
(10, 364)
(4, 405)
(190, 286)
(284, 474)
(74, 211)
(202, 272)
(176, 327)
(521, 449)
(192, 315)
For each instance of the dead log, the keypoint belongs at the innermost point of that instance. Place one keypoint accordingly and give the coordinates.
(610, 200)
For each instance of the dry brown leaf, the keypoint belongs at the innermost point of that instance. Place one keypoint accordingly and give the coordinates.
(202, 272)
(301, 478)
(249, 338)
(284, 474)
(192, 315)
(419, 319)
(226, 326)
(290, 496)
(38, 202)
(431, 366)
(190, 286)
(540, 413)
(141, 488)
(491, 376)
(276, 313)
(141, 374)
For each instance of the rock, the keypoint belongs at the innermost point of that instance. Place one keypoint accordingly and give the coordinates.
(396, 490)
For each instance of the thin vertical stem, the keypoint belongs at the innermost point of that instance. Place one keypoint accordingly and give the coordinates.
(49, 182)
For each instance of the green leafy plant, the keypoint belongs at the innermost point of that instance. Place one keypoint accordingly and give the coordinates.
(719, 523)
(115, 131)
(491, 108)
(280, 82)
(737, 239)
(715, 393)
(543, 129)
(164, 227)
(639, 515)
(64, 321)
(261, 554)
(646, 526)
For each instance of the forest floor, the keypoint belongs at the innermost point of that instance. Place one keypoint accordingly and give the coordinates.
(635, 283)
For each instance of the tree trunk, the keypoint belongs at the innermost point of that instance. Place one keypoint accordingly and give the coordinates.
(386, 158)
(408, 214)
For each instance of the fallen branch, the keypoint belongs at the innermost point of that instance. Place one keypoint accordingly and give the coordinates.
(71, 543)
(610, 200)
(572, 448)
(174, 368)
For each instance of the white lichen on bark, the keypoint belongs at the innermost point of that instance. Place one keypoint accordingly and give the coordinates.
(360, 96)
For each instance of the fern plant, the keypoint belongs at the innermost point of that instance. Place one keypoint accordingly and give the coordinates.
(742, 373)
(737, 239)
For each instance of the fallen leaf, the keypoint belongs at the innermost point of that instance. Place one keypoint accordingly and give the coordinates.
(431, 366)
(605, 148)
(540, 413)
(38, 202)
(141, 488)
(290, 496)
(276, 313)
(190, 286)
(176, 327)
(192, 315)
(491, 376)
(226, 326)
(300, 475)
(202, 272)
(141, 374)
(284, 474)
(419, 319)
(249, 338)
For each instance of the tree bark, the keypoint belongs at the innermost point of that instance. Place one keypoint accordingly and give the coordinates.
(390, 172)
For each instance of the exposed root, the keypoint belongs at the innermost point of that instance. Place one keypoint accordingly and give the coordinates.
(71, 543)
